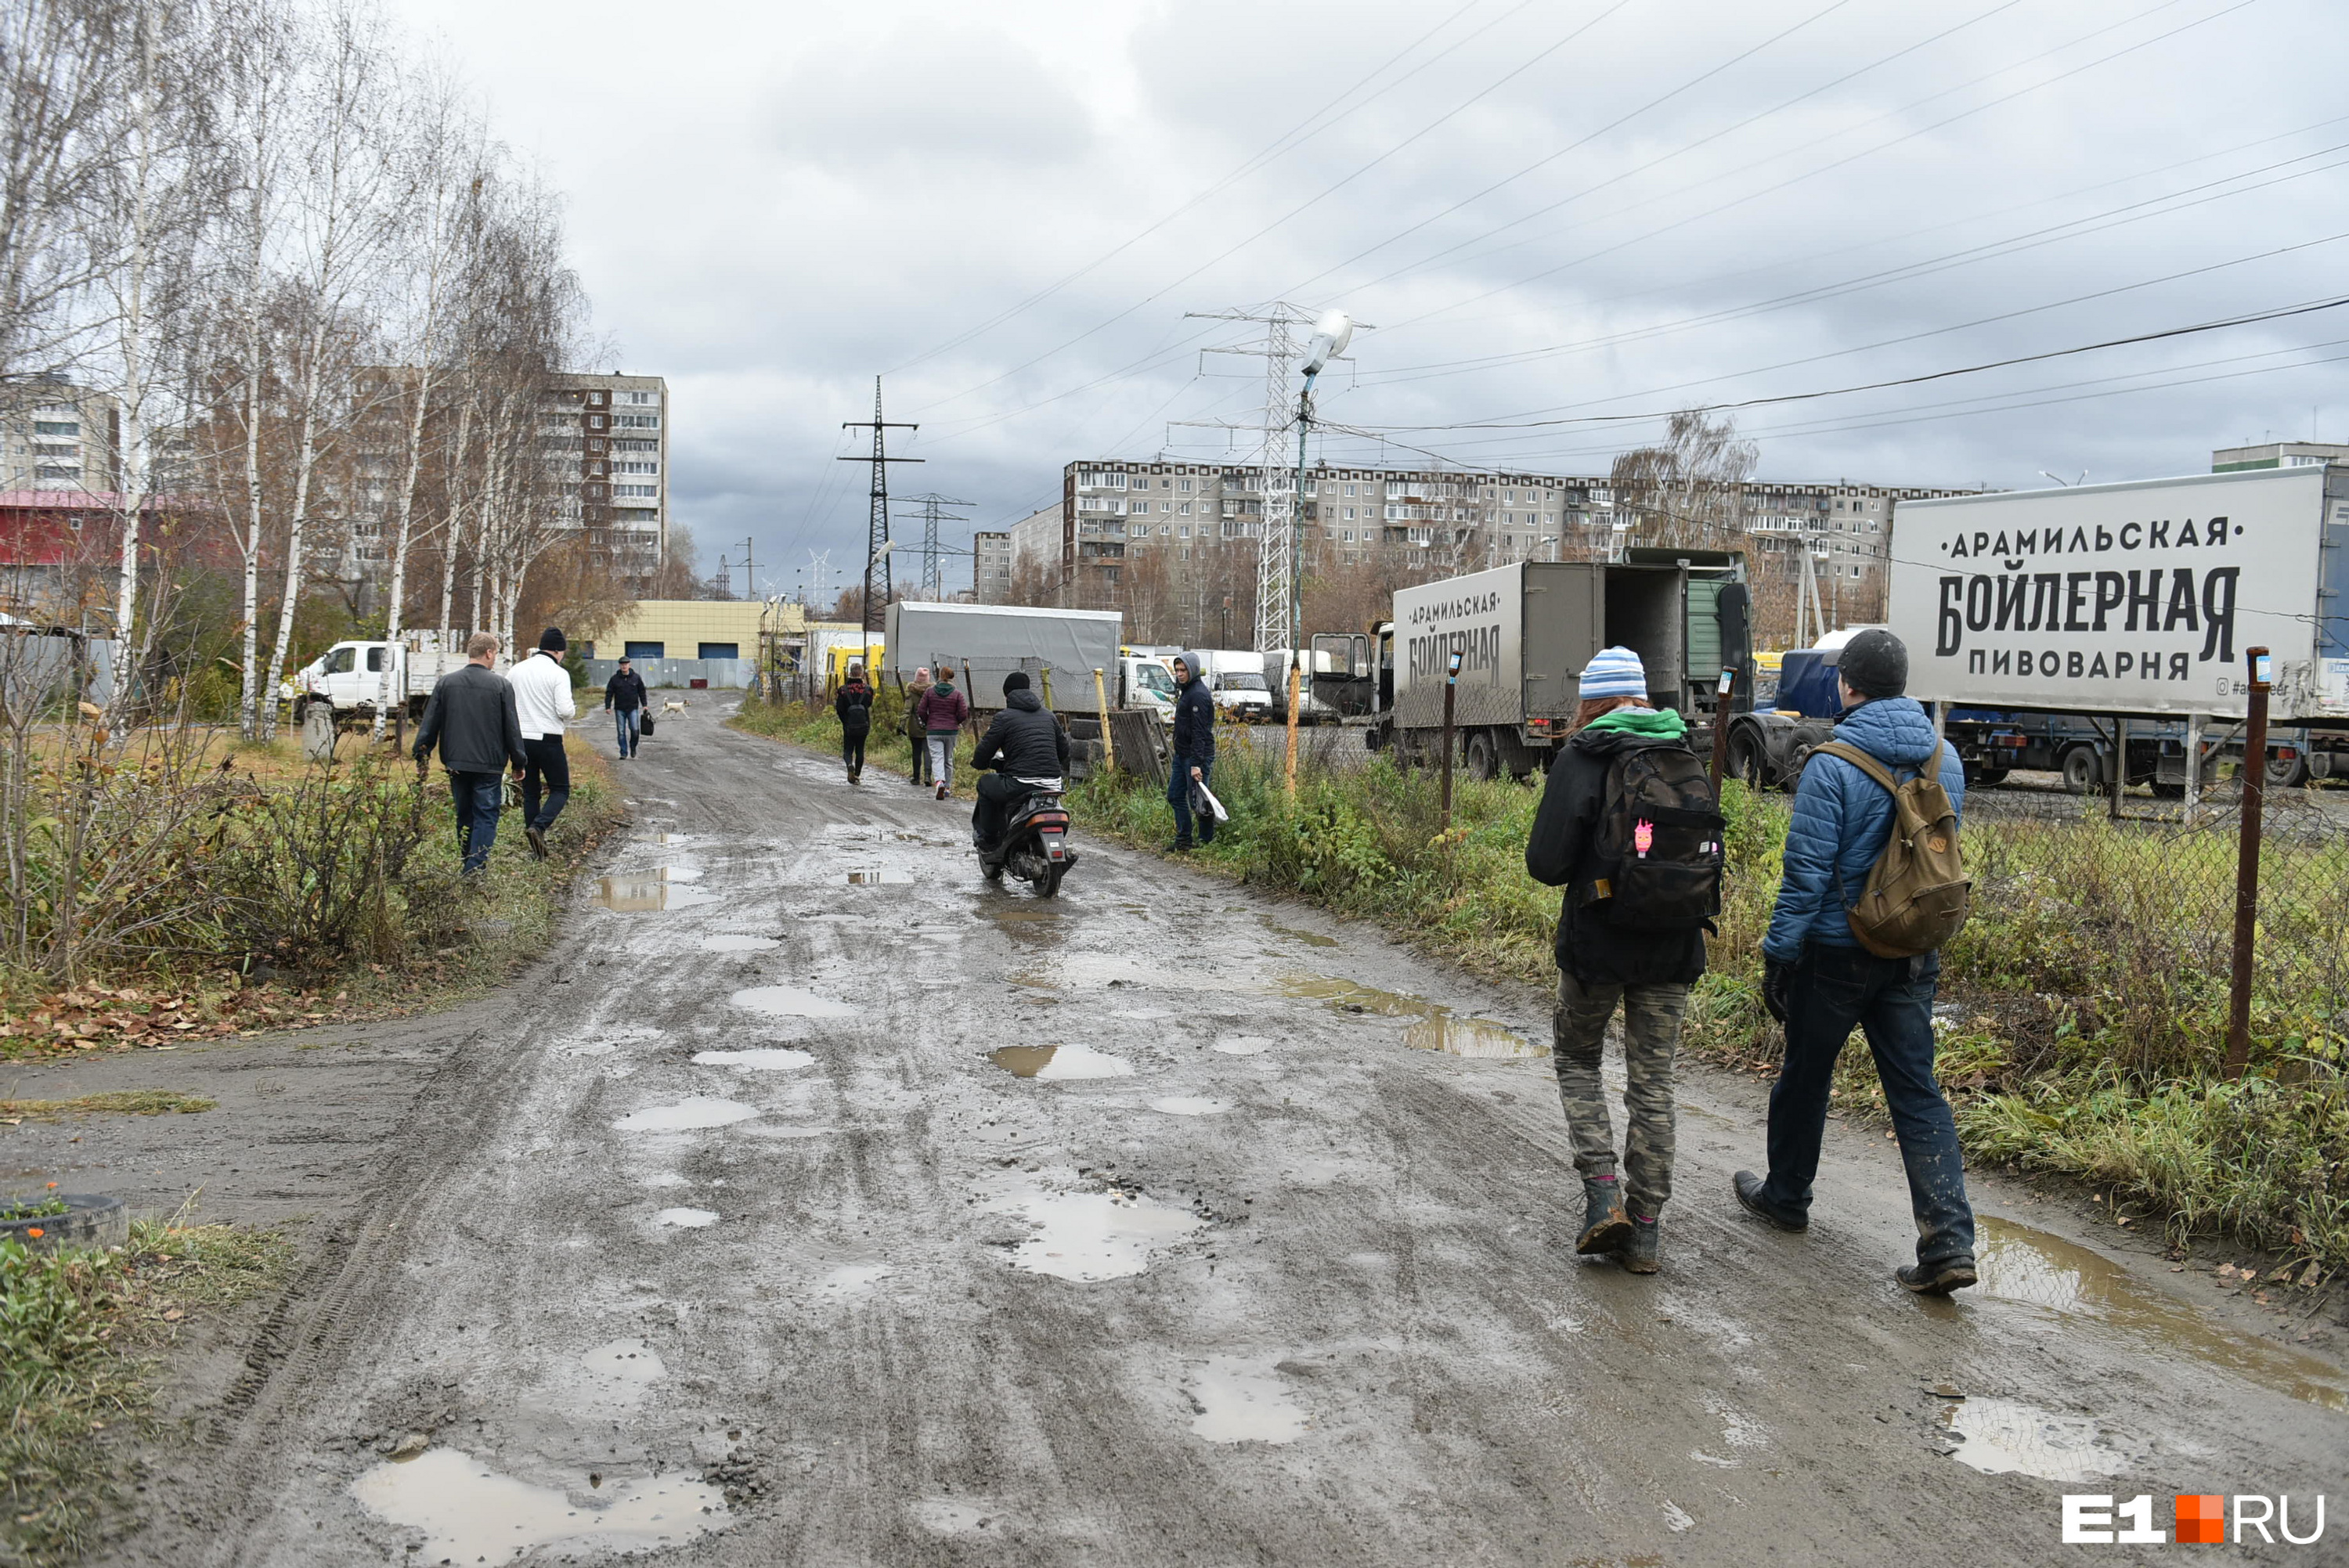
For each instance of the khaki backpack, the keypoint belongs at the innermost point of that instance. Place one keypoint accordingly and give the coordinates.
(1918, 891)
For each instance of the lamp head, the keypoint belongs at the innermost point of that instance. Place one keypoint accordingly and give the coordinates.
(1331, 336)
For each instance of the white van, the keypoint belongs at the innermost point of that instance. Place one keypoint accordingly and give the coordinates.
(1235, 681)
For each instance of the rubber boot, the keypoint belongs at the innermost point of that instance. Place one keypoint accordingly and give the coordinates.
(1604, 1226)
(1637, 1251)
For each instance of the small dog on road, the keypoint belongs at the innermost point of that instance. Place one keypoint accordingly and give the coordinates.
(673, 707)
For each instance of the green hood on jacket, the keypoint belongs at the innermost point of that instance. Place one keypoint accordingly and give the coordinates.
(1653, 724)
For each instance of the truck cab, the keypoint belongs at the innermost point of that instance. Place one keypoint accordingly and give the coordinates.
(1145, 682)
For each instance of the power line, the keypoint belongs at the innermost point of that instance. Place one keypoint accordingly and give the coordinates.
(876, 533)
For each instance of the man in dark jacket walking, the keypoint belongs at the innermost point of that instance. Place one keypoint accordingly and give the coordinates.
(471, 717)
(852, 704)
(624, 699)
(1601, 963)
(1194, 749)
(1023, 746)
(1820, 981)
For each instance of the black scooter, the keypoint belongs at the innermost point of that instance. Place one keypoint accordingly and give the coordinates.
(1035, 846)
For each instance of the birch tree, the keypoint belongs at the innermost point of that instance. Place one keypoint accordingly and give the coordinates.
(58, 60)
(347, 203)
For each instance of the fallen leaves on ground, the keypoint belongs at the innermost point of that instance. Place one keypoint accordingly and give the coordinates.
(91, 1017)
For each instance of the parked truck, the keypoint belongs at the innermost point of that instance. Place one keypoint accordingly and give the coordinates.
(1235, 681)
(2099, 631)
(1523, 634)
(349, 676)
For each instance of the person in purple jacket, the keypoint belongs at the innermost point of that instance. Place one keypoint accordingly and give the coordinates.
(943, 712)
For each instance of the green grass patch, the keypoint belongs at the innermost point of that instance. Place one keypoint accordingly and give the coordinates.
(78, 1334)
(122, 1102)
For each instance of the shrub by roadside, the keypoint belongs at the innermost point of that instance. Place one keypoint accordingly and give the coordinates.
(2082, 1007)
(285, 894)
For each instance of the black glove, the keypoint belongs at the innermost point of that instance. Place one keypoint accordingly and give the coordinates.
(1778, 979)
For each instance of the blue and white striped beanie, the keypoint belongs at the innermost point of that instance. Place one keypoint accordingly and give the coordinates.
(1614, 671)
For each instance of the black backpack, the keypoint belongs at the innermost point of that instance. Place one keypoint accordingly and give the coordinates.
(1655, 860)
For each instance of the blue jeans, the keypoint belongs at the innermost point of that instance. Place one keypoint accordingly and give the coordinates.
(477, 797)
(628, 720)
(1891, 999)
(1178, 794)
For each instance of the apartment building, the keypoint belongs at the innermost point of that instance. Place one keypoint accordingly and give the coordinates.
(608, 437)
(1111, 514)
(2277, 455)
(991, 568)
(58, 436)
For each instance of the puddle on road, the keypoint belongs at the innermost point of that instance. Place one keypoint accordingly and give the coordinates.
(729, 942)
(1089, 1236)
(790, 1002)
(855, 1279)
(1052, 1062)
(1189, 1105)
(664, 837)
(1242, 1401)
(470, 1513)
(642, 892)
(630, 1361)
(1311, 938)
(686, 1219)
(2024, 1264)
(1147, 1015)
(664, 1178)
(875, 878)
(765, 1059)
(1101, 971)
(2002, 1437)
(1242, 1045)
(688, 1114)
(1435, 1027)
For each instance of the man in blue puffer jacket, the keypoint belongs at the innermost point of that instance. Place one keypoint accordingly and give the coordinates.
(1820, 981)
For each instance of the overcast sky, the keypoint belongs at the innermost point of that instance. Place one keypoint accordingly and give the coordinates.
(1549, 209)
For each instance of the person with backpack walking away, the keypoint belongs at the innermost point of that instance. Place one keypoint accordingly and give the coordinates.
(854, 704)
(623, 699)
(1194, 745)
(943, 712)
(1628, 827)
(919, 736)
(1872, 888)
(542, 701)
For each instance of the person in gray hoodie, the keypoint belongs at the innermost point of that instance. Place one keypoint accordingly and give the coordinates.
(1194, 744)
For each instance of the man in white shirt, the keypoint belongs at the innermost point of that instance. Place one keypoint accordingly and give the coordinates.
(542, 701)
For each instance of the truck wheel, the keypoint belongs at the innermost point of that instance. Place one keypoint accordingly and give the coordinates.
(2080, 770)
(1991, 778)
(2288, 772)
(1744, 759)
(1482, 764)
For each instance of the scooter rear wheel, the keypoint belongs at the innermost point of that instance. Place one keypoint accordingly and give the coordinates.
(1051, 886)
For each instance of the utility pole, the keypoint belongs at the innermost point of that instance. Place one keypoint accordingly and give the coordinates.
(876, 534)
(750, 574)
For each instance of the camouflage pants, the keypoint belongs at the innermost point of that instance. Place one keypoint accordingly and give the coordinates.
(1652, 1038)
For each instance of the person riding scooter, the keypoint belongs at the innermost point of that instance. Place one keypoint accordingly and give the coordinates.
(1026, 751)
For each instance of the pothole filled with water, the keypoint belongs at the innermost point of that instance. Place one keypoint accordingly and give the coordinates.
(692, 1113)
(1059, 1062)
(1434, 1026)
(790, 1002)
(1311, 938)
(1089, 1236)
(686, 1219)
(874, 877)
(764, 1059)
(1236, 1400)
(2022, 1265)
(642, 892)
(2005, 1436)
(727, 941)
(470, 1513)
(1242, 1045)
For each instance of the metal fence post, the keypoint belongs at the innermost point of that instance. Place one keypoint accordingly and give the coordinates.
(2247, 864)
(1451, 684)
(1721, 726)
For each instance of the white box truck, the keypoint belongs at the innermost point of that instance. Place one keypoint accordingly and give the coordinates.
(1059, 649)
(2133, 601)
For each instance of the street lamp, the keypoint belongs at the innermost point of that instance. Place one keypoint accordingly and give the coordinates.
(1331, 336)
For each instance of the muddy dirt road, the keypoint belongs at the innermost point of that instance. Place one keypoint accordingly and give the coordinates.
(818, 1203)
